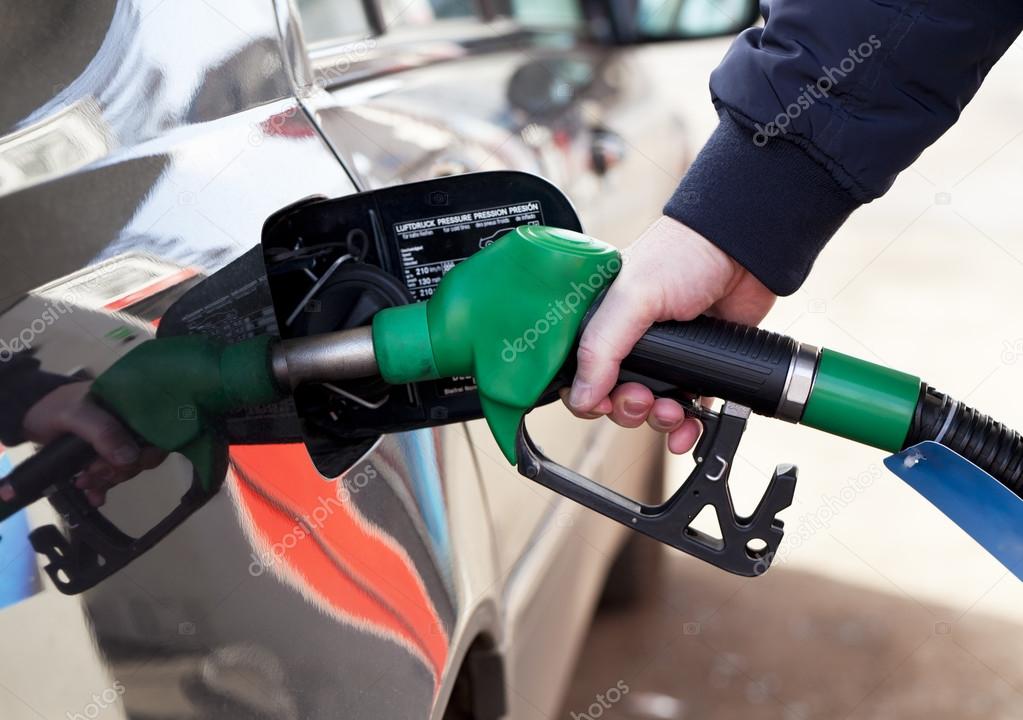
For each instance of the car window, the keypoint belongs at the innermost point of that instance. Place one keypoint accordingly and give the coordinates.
(547, 13)
(332, 19)
(397, 13)
(690, 17)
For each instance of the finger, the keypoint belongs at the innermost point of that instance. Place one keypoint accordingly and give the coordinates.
(86, 481)
(666, 415)
(631, 403)
(42, 422)
(101, 475)
(96, 498)
(682, 440)
(115, 478)
(151, 457)
(98, 474)
(601, 409)
(108, 437)
(606, 341)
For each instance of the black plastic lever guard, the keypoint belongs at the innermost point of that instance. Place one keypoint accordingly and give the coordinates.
(747, 545)
(94, 548)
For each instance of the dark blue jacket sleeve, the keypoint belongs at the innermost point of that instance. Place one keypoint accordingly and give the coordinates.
(820, 109)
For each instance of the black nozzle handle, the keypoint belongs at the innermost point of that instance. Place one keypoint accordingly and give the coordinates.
(56, 462)
(715, 358)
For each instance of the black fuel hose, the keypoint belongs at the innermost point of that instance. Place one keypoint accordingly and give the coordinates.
(987, 443)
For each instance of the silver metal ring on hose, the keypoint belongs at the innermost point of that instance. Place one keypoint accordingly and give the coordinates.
(798, 383)
(948, 422)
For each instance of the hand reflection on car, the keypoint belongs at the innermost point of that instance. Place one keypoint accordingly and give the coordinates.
(69, 409)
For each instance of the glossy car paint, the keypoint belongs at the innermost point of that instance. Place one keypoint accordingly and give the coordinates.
(142, 145)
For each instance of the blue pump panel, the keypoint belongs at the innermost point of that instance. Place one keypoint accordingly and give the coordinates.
(987, 510)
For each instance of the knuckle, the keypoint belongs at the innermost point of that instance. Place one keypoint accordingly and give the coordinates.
(635, 297)
(587, 356)
(67, 417)
(654, 422)
(107, 433)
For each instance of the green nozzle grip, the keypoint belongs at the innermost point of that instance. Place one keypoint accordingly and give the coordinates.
(862, 401)
(170, 391)
(401, 343)
(508, 316)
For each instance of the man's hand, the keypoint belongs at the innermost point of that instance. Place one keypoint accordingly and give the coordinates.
(669, 273)
(68, 409)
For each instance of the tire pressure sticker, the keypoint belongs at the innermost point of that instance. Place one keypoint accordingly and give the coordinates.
(431, 246)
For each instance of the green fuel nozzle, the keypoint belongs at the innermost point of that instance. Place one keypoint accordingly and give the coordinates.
(171, 393)
(508, 316)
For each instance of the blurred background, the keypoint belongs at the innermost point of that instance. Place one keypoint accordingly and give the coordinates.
(878, 607)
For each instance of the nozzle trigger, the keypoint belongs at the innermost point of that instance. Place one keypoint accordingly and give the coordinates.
(747, 545)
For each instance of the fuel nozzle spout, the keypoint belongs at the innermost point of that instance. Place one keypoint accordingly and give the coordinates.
(333, 356)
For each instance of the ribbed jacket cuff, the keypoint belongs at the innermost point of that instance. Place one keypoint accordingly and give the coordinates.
(772, 208)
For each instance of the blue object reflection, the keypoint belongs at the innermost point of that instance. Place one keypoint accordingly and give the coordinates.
(19, 576)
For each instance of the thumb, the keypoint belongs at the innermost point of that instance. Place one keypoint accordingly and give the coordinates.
(610, 335)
